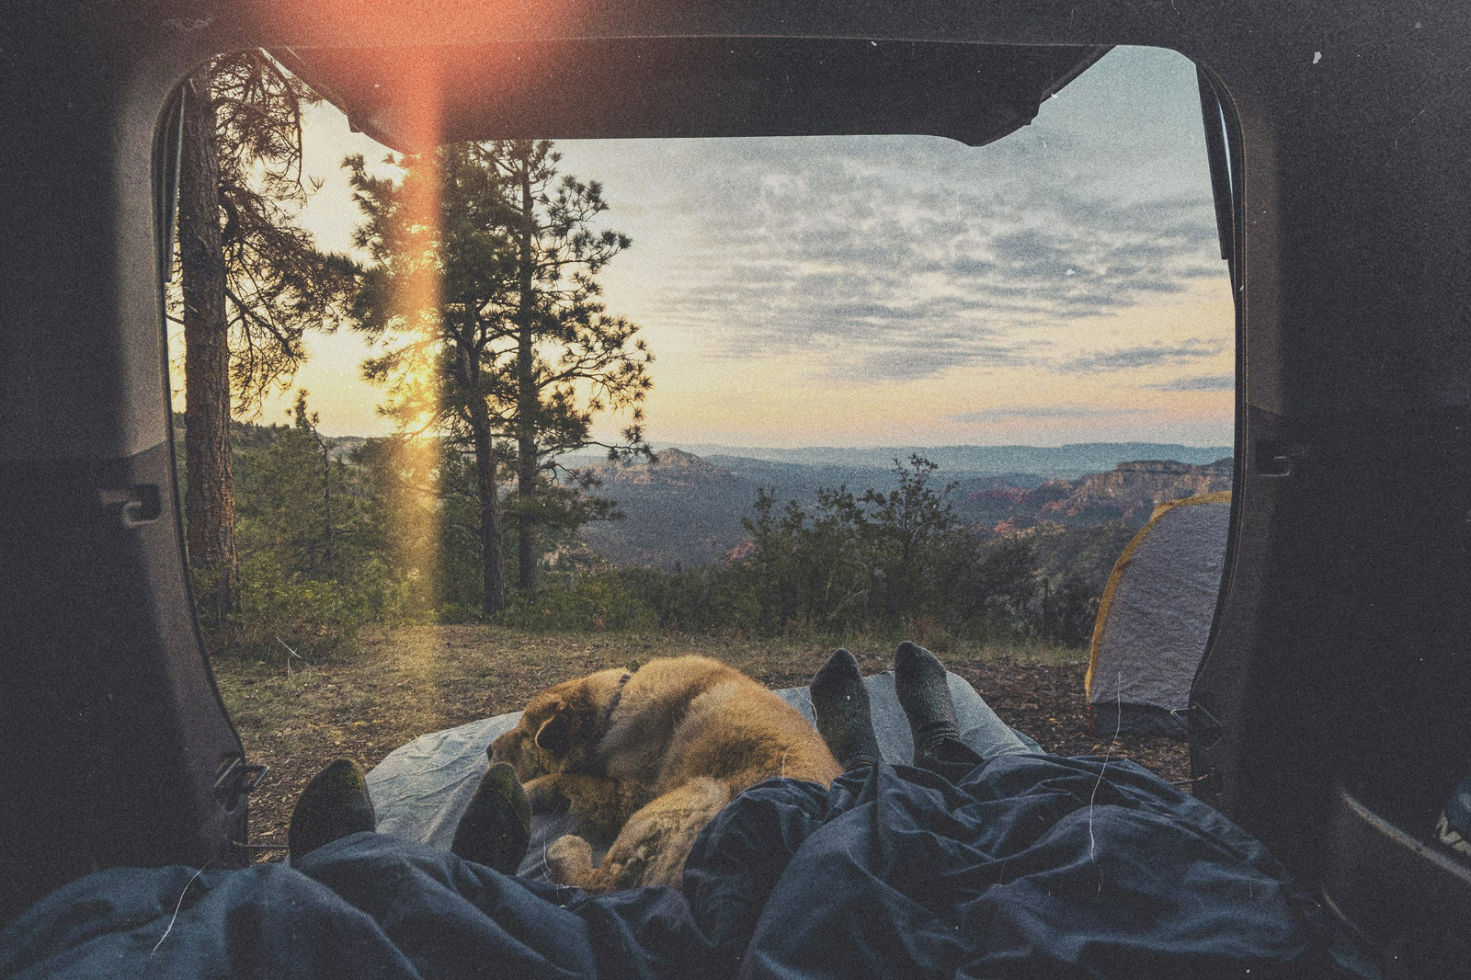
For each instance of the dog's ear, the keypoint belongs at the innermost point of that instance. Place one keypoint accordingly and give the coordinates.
(555, 734)
(572, 721)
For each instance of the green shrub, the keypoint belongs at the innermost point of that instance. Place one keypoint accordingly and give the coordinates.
(281, 614)
(696, 600)
(590, 603)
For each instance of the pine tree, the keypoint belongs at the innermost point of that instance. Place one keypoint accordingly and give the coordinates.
(566, 343)
(251, 282)
(523, 352)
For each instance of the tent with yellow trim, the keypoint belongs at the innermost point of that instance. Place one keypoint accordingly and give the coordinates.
(1155, 617)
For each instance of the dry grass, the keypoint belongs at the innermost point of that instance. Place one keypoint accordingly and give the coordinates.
(404, 683)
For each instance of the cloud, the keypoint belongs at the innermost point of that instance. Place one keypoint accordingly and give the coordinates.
(1025, 412)
(890, 246)
(924, 362)
(1207, 382)
(1149, 355)
(790, 252)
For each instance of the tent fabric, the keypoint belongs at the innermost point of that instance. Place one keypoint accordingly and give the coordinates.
(1155, 617)
(1027, 866)
(420, 789)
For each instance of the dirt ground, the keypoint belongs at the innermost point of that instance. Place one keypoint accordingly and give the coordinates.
(297, 717)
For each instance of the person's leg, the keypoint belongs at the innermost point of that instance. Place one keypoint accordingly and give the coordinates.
(840, 702)
(924, 694)
(496, 827)
(335, 804)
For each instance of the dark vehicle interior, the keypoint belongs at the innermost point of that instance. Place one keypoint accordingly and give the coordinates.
(1331, 715)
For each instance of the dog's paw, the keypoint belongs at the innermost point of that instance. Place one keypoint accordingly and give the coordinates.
(569, 859)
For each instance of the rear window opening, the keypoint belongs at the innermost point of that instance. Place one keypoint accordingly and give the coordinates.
(857, 388)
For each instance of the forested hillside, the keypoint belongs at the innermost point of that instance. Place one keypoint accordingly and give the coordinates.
(681, 510)
(679, 543)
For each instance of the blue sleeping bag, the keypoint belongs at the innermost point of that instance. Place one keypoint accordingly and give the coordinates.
(1028, 866)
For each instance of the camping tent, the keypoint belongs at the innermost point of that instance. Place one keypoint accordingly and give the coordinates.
(1155, 617)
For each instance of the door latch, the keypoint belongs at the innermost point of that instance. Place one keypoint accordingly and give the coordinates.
(132, 506)
(236, 780)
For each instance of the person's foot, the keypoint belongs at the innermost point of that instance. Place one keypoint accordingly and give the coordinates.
(496, 826)
(335, 804)
(840, 702)
(924, 694)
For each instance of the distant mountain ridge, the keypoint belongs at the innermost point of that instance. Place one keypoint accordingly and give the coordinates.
(672, 467)
(1128, 493)
(678, 509)
(686, 510)
(682, 510)
(1069, 461)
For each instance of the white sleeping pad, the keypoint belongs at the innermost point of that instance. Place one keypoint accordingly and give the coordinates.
(420, 789)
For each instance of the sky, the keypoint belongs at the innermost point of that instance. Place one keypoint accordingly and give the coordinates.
(1061, 285)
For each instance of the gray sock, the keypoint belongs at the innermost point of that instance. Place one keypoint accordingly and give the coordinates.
(334, 804)
(496, 827)
(840, 702)
(924, 694)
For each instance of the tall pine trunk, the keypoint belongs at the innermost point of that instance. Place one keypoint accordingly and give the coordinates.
(528, 399)
(209, 502)
(493, 599)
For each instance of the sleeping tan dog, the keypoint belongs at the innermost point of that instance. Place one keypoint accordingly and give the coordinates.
(645, 760)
